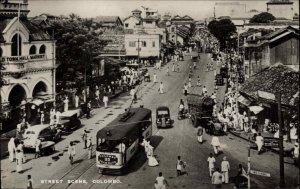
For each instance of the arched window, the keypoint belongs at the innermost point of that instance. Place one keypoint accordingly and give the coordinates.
(14, 45)
(32, 50)
(42, 49)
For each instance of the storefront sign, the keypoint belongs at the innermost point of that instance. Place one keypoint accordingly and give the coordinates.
(264, 174)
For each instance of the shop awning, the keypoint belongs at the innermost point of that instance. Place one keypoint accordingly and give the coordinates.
(244, 100)
(37, 102)
(256, 109)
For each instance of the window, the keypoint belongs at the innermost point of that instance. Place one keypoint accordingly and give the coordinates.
(144, 44)
(131, 43)
(172, 29)
(126, 25)
(14, 46)
(32, 50)
(42, 49)
(153, 43)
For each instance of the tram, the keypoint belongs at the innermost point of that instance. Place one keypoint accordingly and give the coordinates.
(119, 141)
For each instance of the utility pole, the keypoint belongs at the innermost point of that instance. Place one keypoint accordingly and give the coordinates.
(138, 50)
(85, 91)
(249, 164)
(281, 158)
(54, 70)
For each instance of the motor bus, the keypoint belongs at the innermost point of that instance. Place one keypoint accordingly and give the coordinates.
(120, 140)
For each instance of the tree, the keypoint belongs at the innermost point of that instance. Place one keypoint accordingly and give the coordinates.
(223, 30)
(76, 44)
(263, 17)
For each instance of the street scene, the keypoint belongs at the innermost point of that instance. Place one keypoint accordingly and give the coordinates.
(162, 94)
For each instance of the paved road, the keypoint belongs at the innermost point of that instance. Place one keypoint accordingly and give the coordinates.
(168, 143)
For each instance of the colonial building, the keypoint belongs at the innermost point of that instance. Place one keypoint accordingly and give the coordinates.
(133, 20)
(281, 8)
(281, 46)
(142, 45)
(182, 21)
(27, 55)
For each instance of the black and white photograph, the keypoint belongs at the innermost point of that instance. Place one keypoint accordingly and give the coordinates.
(149, 94)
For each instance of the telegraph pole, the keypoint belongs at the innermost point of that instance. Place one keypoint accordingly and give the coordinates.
(138, 50)
(281, 158)
(249, 164)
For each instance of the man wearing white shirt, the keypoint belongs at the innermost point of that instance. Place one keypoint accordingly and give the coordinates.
(211, 163)
(225, 167)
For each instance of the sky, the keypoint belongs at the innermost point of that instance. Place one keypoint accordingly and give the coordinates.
(197, 9)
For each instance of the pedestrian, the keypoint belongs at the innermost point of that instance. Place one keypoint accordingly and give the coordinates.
(90, 147)
(161, 88)
(185, 89)
(160, 182)
(132, 93)
(29, 182)
(105, 100)
(66, 104)
(211, 163)
(173, 67)
(190, 82)
(216, 144)
(200, 134)
(11, 149)
(84, 138)
(180, 167)
(152, 162)
(52, 116)
(38, 145)
(198, 82)
(168, 71)
(225, 168)
(76, 101)
(88, 109)
(154, 78)
(42, 117)
(204, 90)
(71, 152)
(57, 115)
(21, 148)
(259, 140)
(216, 178)
(178, 67)
(19, 161)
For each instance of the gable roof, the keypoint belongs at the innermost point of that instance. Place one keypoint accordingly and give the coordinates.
(36, 33)
(131, 16)
(276, 33)
(107, 19)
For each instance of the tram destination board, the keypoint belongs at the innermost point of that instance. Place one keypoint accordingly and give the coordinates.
(107, 159)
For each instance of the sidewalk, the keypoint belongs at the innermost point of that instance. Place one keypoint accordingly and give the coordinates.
(287, 146)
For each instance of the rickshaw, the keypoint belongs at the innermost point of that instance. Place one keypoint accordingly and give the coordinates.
(163, 118)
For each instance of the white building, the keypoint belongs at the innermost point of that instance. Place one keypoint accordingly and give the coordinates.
(281, 8)
(142, 45)
(28, 55)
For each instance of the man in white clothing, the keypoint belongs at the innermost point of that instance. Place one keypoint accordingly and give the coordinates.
(225, 167)
(161, 88)
(211, 163)
(216, 144)
(259, 142)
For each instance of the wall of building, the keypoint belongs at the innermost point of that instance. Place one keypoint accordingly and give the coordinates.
(146, 43)
(131, 22)
(281, 10)
(286, 52)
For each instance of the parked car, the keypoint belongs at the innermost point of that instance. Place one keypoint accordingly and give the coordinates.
(163, 118)
(45, 133)
(69, 121)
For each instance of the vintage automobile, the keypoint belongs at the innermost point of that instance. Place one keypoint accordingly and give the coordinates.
(69, 121)
(163, 118)
(45, 133)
